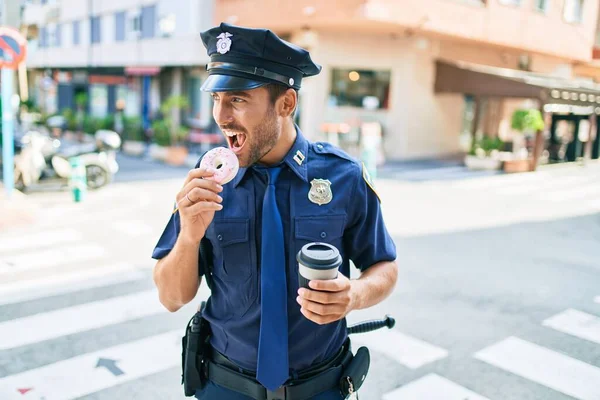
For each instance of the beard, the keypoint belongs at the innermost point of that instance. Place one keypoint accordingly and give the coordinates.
(261, 140)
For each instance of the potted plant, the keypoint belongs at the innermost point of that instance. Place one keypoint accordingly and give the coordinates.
(527, 122)
(484, 154)
(169, 133)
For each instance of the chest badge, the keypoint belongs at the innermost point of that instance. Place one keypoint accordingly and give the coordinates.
(320, 191)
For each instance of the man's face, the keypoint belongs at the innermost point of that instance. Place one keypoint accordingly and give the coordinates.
(249, 122)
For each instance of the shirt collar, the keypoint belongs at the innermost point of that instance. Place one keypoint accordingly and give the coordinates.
(296, 159)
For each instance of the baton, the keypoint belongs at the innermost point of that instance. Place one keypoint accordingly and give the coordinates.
(373, 325)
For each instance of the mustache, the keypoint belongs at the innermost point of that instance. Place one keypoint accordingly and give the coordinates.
(232, 128)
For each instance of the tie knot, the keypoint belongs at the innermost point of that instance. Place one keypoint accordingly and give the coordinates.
(273, 174)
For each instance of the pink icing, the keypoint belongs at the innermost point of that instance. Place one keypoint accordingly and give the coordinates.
(227, 160)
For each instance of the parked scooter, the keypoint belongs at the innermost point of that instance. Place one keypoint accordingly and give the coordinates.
(44, 158)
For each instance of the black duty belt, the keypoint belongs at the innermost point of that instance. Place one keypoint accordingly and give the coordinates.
(309, 383)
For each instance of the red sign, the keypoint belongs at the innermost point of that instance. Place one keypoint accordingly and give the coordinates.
(12, 48)
(140, 71)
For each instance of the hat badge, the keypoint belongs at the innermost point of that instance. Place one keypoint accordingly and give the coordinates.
(224, 43)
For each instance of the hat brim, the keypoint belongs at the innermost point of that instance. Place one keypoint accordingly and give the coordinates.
(225, 83)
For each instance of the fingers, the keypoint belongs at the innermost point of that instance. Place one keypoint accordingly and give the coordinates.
(199, 194)
(320, 319)
(198, 173)
(201, 207)
(342, 297)
(194, 183)
(331, 285)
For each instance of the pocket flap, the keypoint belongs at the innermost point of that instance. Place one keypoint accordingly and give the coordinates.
(320, 228)
(230, 231)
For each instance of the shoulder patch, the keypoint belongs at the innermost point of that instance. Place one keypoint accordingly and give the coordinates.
(369, 180)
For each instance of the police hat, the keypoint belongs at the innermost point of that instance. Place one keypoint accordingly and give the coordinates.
(246, 58)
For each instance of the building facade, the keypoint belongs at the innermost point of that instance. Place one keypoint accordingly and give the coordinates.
(118, 53)
(379, 61)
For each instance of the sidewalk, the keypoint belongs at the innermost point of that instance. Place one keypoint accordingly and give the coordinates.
(15, 211)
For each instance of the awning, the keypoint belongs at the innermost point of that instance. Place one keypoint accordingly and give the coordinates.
(486, 81)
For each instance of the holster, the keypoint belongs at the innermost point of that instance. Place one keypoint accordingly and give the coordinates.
(355, 373)
(194, 353)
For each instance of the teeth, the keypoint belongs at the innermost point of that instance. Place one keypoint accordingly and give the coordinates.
(230, 134)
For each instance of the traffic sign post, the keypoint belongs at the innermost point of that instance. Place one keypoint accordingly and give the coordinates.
(12, 52)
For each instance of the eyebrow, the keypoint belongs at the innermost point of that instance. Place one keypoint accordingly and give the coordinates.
(237, 93)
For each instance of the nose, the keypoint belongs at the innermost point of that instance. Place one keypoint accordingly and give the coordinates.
(222, 113)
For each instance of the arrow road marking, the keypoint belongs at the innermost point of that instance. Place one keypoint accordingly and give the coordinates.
(110, 365)
(80, 376)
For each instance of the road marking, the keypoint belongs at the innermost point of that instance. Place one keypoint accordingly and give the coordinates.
(16, 292)
(37, 240)
(82, 375)
(408, 351)
(576, 323)
(546, 367)
(83, 317)
(133, 228)
(432, 387)
(51, 258)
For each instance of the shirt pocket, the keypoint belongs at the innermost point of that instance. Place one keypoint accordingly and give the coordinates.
(232, 237)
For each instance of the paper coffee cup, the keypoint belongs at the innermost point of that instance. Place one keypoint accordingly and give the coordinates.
(317, 261)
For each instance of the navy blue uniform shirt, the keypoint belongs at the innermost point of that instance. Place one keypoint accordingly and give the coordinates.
(351, 221)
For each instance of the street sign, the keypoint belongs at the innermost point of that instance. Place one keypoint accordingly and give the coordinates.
(13, 48)
(12, 52)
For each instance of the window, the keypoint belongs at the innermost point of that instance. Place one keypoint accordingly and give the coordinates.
(57, 35)
(95, 29)
(120, 26)
(542, 5)
(134, 25)
(75, 33)
(43, 37)
(360, 88)
(573, 12)
(510, 2)
(148, 22)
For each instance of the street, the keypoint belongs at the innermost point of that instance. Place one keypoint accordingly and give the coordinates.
(498, 296)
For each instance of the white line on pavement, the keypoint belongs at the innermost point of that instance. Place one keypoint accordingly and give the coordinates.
(133, 228)
(408, 351)
(576, 323)
(51, 258)
(543, 366)
(66, 321)
(89, 373)
(432, 387)
(16, 292)
(40, 239)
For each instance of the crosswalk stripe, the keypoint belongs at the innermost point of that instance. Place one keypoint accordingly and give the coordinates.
(66, 321)
(432, 387)
(16, 292)
(408, 351)
(576, 323)
(35, 240)
(546, 367)
(51, 258)
(89, 373)
(133, 228)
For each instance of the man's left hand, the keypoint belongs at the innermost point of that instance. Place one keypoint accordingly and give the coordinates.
(331, 300)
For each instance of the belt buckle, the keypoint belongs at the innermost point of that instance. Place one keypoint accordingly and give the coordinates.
(278, 394)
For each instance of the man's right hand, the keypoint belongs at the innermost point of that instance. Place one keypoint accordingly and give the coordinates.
(197, 203)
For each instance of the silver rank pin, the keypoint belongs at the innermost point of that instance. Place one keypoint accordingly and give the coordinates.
(320, 191)
(299, 157)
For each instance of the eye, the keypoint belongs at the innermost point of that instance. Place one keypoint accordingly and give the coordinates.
(237, 100)
(215, 97)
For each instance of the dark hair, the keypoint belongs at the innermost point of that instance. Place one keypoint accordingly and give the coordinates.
(276, 90)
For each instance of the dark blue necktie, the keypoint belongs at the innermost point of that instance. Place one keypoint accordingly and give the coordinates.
(273, 366)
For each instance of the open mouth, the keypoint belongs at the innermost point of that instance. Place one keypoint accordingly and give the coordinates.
(236, 140)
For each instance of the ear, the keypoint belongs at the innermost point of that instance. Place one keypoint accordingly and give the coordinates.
(287, 103)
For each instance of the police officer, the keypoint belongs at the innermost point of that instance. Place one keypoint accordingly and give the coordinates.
(288, 192)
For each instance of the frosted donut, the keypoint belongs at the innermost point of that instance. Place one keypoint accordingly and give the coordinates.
(223, 161)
